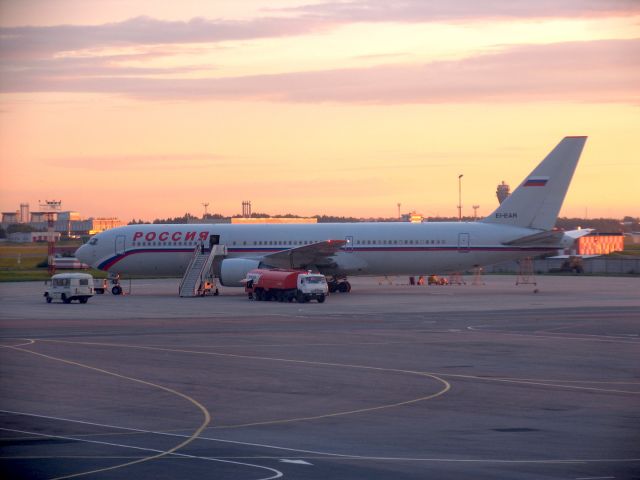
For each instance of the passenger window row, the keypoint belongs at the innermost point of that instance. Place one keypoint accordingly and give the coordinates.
(400, 242)
(277, 243)
(163, 244)
(358, 242)
(294, 243)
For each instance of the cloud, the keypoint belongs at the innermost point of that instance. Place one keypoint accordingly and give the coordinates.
(84, 67)
(445, 10)
(23, 43)
(110, 57)
(37, 42)
(132, 162)
(596, 71)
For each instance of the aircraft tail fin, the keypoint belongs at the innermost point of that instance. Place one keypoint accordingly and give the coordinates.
(537, 200)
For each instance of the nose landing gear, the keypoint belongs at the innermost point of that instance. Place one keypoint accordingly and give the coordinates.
(116, 288)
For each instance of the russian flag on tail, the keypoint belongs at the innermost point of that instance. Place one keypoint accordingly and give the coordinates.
(536, 181)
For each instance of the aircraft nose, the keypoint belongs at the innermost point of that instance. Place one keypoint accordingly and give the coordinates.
(84, 254)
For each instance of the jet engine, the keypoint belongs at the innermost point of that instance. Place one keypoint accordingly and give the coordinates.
(233, 270)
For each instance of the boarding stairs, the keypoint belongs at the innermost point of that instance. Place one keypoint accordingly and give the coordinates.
(198, 278)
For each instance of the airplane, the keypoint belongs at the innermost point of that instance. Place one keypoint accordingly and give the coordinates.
(522, 226)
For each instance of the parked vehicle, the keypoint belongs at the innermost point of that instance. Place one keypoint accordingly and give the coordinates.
(100, 285)
(70, 286)
(437, 280)
(286, 285)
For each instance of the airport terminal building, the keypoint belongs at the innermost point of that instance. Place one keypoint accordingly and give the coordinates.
(66, 223)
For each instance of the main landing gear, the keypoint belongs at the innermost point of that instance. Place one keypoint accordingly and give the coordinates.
(339, 285)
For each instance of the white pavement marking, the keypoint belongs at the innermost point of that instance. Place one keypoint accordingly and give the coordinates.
(593, 478)
(434, 375)
(550, 336)
(313, 452)
(278, 473)
(298, 462)
(205, 412)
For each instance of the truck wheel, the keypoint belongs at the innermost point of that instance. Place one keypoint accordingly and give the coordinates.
(83, 299)
(321, 299)
(299, 297)
(116, 290)
(65, 299)
(48, 298)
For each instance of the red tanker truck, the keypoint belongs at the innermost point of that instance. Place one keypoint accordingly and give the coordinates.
(285, 285)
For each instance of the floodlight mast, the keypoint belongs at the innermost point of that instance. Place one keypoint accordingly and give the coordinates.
(460, 197)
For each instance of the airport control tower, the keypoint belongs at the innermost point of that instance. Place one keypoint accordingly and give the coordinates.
(502, 192)
(51, 208)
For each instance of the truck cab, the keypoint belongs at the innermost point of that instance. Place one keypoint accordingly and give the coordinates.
(313, 285)
(70, 286)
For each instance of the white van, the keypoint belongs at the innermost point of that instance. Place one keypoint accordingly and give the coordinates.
(70, 286)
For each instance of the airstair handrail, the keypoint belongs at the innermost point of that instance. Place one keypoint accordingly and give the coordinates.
(194, 256)
(206, 267)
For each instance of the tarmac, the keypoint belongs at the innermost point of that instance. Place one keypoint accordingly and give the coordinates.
(390, 381)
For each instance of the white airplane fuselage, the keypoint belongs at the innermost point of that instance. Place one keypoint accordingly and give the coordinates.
(521, 226)
(371, 248)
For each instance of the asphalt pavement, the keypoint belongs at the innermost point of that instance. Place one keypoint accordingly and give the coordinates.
(390, 381)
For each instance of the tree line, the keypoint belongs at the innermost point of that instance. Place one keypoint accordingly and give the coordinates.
(627, 224)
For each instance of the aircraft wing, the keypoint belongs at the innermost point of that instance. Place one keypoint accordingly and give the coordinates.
(551, 238)
(575, 234)
(563, 257)
(319, 253)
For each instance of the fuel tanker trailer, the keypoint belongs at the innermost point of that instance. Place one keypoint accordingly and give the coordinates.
(285, 285)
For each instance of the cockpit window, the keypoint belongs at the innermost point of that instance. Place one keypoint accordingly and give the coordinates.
(316, 279)
(93, 241)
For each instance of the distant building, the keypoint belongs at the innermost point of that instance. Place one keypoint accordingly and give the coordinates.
(208, 220)
(69, 216)
(101, 224)
(600, 244)
(68, 222)
(252, 221)
(24, 213)
(9, 218)
(29, 237)
(502, 192)
(412, 217)
(41, 217)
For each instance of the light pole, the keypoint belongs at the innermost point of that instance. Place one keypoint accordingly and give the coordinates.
(460, 197)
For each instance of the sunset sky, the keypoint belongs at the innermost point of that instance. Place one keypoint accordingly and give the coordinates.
(148, 108)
